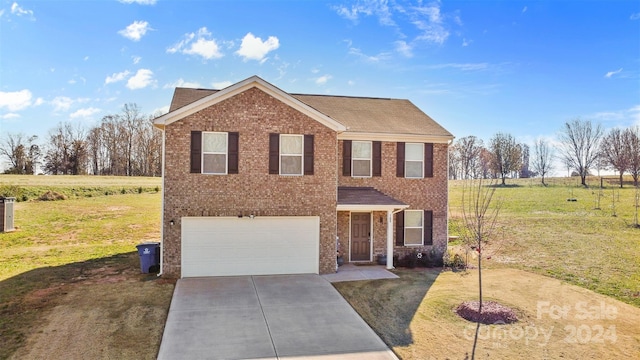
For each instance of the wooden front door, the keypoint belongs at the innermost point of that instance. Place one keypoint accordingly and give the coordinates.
(360, 236)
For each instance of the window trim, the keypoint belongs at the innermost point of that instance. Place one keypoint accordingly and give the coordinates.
(225, 153)
(281, 154)
(422, 162)
(370, 159)
(413, 227)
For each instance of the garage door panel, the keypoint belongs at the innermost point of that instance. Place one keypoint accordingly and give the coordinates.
(224, 246)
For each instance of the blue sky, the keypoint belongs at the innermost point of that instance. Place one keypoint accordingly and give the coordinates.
(476, 67)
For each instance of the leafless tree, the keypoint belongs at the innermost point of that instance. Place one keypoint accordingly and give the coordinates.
(579, 145)
(21, 152)
(506, 155)
(480, 215)
(632, 146)
(66, 151)
(614, 151)
(542, 157)
(469, 149)
(454, 161)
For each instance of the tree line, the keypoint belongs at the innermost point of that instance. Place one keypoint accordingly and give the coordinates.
(581, 146)
(124, 144)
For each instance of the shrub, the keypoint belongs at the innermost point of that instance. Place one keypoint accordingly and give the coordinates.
(52, 196)
(454, 261)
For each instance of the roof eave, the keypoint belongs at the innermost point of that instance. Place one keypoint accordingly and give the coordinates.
(390, 137)
(360, 207)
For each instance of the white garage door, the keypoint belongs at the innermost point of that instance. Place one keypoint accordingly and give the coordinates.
(224, 246)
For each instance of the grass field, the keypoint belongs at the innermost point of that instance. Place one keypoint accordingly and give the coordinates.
(69, 271)
(569, 240)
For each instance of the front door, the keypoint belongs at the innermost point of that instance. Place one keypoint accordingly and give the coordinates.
(360, 236)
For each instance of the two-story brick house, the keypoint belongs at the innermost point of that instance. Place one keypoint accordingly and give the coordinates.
(260, 181)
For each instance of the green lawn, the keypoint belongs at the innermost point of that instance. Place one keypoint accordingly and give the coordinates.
(570, 240)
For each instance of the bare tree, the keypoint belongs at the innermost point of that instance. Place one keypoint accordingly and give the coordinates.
(67, 150)
(507, 155)
(524, 171)
(480, 225)
(469, 149)
(579, 143)
(542, 157)
(454, 161)
(613, 151)
(632, 146)
(21, 151)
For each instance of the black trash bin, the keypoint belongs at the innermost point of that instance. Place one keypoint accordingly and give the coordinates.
(149, 253)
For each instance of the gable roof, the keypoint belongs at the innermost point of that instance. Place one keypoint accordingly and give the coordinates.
(201, 99)
(355, 118)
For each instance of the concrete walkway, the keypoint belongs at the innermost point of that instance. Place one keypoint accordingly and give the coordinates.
(265, 317)
(352, 272)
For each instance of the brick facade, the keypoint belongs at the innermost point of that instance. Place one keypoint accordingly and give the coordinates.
(254, 114)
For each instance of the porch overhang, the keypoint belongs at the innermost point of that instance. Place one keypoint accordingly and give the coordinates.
(369, 199)
(366, 199)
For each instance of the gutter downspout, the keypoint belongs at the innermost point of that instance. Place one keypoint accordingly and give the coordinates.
(162, 208)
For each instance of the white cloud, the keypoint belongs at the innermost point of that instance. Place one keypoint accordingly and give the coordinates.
(161, 111)
(463, 67)
(635, 16)
(466, 42)
(351, 82)
(1, 12)
(140, 2)
(221, 84)
(611, 73)
(253, 48)
(323, 79)
(9, 116)
(367, 8)
(84, 113)
(181, 83)
(86, 58)
(370, 58)
(203, 45)
(39, 101)
(61, 103)
(136, 30)
(116, 77)
(142, 79)
(524, 9)
(136, 59)
(15, 100)
(403, 48)
(20, 11)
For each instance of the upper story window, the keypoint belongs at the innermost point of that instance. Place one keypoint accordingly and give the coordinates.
(414, 160)
(214, 153)
(361, 159)
(291, 154)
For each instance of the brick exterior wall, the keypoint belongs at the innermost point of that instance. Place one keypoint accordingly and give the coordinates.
(423, 194)
(254, 114)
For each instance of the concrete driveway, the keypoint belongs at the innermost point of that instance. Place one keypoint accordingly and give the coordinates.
(265, 317)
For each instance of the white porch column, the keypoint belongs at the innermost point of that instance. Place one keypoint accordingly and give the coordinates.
(389, 239)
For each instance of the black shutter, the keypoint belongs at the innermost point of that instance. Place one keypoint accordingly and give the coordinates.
(274, 153)
(233, 150)
(308, 154)
(377, 159)
(400, 228)
(196, 152)
(400, 160)
(428, 160)
(428, 227)
(346, 158)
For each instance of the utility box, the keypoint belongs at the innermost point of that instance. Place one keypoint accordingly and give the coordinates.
(6, 214)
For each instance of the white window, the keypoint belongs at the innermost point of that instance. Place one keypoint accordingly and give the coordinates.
(361, 159)
(414, 160)
(291, 151)
(214, 153)
(413, 224)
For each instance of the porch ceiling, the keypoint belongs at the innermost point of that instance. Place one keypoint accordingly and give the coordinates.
(366, 199)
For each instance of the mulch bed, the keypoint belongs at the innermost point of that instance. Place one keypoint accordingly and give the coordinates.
(492, 313)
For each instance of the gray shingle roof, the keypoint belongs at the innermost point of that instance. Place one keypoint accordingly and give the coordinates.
(348, 195)
(358, 114)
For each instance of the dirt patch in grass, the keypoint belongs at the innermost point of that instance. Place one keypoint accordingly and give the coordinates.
(103, 308)
(415, 315)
